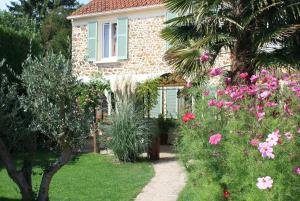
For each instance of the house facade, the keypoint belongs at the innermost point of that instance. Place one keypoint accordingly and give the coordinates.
(120, 38)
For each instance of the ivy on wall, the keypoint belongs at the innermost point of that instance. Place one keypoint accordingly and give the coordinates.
(147, 93)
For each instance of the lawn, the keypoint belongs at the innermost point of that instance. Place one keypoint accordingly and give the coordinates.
(90, 177)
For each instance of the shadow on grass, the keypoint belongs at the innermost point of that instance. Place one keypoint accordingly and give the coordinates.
(41, 159)
(8, 199)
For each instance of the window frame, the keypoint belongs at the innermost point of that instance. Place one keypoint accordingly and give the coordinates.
(110, 57)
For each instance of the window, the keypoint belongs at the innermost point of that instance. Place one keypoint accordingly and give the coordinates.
(109, 40)
(168, 103)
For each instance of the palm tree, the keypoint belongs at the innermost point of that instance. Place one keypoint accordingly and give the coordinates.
(256, 32)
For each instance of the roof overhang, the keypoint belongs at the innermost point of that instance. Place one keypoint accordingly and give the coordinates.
(115, 11)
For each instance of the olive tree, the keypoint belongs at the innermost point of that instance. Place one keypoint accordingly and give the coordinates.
(52, 102)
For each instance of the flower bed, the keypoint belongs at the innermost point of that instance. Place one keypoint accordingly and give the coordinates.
(243, 142)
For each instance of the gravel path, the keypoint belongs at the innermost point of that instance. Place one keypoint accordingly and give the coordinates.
(169, 179)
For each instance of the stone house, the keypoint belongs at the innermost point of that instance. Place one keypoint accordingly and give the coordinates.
(122, 38)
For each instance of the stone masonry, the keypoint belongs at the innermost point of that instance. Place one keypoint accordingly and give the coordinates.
(145, 50)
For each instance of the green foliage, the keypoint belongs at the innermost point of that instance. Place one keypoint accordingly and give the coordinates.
(147, 93)
(165, 124)
(234, 165)
(38, 9)
(20, 24)
(81, 180)
(130, 132)
(51, 98)
(56, 32)
(246, 28)
(91, 93)
(13, 121)
(17, 42)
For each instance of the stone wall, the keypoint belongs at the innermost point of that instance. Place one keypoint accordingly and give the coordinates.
(145, 50)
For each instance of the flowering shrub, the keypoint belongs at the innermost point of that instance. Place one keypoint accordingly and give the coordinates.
(244, 140)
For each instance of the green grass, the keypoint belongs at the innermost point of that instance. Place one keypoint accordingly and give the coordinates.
(189, 193)
(89, 178)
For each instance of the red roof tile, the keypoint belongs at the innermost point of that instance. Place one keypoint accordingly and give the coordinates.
(98, 6)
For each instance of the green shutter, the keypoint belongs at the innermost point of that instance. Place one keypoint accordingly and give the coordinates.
(157, 109)
(122, 35)
(92, 41)
(170, 16)
(171, 102)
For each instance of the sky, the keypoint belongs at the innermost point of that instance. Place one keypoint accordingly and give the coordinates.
(4, 2)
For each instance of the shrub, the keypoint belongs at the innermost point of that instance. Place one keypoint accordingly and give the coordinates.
(246, 140)
(130, 133)
(14, 49)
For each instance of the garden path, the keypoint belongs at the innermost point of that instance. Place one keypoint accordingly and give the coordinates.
(169, 179)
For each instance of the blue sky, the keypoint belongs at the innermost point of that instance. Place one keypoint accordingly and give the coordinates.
(4, 2)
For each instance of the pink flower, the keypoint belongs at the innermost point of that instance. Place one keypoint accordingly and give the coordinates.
(260, 107)
(273, 84)
(266, 150)
(265, 94)
(273, 139)
(215, 72)
(227, 80)
(215, 139)
(260, 115)
(292, 84)
(212, 102)
(220, 92)
(188, 116)
(271, 104)
(204, 57)
(254, 78)
(228, 104)
(298, 130)
(252, 90)
(185, 119)
(264, 183)
(264, 72)
(296, 170)
(254, 142)
(205, 93)
(188, 85)
(235, 107)
(287, 109)
(289, 136)
(220, 104)
(244, 75)
(276, 132)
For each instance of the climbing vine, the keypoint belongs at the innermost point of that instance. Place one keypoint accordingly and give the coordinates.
(147, 93)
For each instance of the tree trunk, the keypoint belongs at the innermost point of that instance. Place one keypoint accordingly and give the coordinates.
(49, 173)
(19, 177)
(95, 141)
(242, 60)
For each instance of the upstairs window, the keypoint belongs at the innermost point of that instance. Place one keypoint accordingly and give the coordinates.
(109, 40)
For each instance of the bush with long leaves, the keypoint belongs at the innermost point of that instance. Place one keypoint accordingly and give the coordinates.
(129, 132)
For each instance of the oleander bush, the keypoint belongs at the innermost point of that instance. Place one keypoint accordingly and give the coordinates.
(242, 142)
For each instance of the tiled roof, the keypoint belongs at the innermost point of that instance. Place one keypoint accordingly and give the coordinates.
(98, 6)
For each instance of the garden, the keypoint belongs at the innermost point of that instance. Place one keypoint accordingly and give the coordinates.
(238, 136)
(77, 181)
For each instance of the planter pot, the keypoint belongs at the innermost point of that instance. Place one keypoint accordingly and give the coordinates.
(154, 149)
